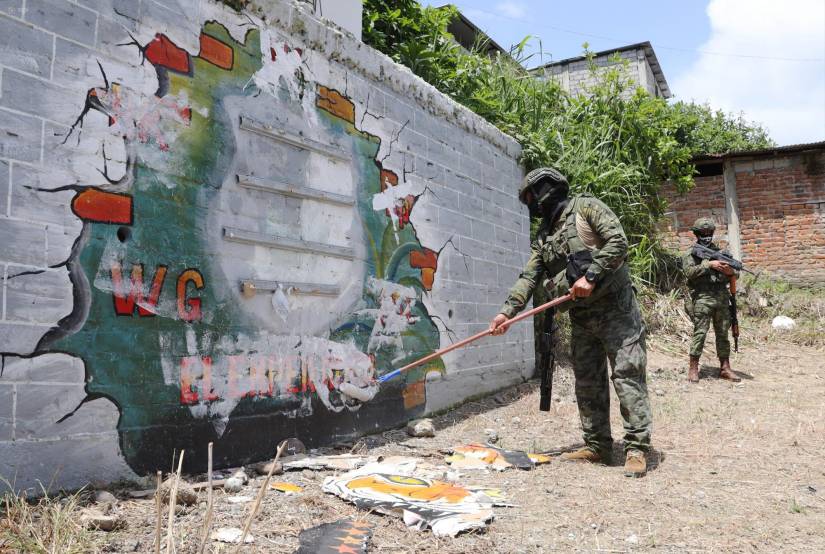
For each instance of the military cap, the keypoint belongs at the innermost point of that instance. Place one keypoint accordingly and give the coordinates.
(538, 175)
(703, 224)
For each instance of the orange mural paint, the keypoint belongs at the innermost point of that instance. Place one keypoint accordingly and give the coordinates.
(189, 309)
(165, 53)
(99, 206)
(335, 103)
(216, 52)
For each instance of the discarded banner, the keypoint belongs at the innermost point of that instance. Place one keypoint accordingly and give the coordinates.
(445, 507)
(344, 536)
(479, 456)
(341, 462)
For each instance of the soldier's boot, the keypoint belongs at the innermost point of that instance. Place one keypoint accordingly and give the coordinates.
(586, 454)
(635, 464)
(693, 369)
(725, 372)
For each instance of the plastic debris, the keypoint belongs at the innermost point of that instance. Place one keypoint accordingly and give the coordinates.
(479, 456)
(231, 535)
(344, 535)
(287, 488)
(783, 323)
(342, 462)
(239, 499)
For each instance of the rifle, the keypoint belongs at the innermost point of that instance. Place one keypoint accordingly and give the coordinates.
(706, 253)
(734, 317)
(547, 358)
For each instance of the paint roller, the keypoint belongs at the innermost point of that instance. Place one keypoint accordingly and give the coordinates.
(468, 340)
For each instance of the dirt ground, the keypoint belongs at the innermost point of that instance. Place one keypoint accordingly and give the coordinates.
(735, 468)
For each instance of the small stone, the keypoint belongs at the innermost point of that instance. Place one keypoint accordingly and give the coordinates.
(240, 499)
(186, 494)
(308, 474)
(105, 497)
(632, 539)
(93, 519)
(241, 474)
(233, 484)
(783, 323)
(516, 420)
(492, 435)
(659, 392)
(421, 428)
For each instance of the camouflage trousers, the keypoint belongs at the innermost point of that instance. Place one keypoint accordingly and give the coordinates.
(611, 329)
(707, 308)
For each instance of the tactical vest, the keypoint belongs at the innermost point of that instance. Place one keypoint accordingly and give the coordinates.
(569, 238)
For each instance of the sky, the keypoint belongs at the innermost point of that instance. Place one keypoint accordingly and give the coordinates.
(763, 58)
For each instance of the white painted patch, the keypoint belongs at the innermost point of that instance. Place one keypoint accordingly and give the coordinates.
(393, 315)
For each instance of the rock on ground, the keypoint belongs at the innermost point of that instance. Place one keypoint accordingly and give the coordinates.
(421, 428)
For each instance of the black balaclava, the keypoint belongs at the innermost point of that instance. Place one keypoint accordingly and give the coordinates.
(704, 240)
(549, 199)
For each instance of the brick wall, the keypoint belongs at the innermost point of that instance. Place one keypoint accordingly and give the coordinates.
(706, 199)
(216, 225)
(781, 204)
(782, 209)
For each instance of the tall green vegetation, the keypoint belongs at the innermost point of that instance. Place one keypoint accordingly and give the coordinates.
(615, 142)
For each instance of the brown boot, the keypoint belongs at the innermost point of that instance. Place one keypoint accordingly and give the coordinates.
(635, 464)
(725, 372)
(585, 455)
(693, 369)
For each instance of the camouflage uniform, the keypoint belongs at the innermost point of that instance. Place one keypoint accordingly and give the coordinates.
(708, 302)
(607, 325)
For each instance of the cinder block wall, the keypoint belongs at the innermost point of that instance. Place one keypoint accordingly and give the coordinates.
(781, 204)
(215, 226)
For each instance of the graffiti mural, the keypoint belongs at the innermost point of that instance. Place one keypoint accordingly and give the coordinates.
(247, 265)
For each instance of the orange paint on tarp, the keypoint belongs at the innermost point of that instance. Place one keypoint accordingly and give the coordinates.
(412, 488)
(99, 206)
(216, 52)
(335, 103)
(165, 53)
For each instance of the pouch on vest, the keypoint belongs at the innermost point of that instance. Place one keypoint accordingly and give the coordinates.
(577, 265)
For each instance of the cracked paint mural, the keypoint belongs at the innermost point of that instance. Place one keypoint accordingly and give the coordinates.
(247, 265)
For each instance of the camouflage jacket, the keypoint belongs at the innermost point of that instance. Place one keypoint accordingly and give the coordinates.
(700, 277)
(586, 223)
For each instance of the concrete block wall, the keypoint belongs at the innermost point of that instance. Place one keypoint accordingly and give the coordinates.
(781, 210)
(576, 77)
(222, 227)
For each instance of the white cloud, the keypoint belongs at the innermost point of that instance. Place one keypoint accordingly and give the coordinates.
(788, 97)
(516, 10)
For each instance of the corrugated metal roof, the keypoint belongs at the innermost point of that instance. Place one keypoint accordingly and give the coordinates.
(775, 150)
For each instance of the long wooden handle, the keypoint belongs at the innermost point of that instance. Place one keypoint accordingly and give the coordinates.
(468, 340)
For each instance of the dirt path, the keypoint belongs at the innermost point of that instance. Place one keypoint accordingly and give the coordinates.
(737, 468)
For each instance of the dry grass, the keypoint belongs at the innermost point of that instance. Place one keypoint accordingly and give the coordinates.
(47, 526)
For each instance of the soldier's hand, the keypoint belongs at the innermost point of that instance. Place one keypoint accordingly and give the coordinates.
(721, 267)
(582, 288)
(496, 325)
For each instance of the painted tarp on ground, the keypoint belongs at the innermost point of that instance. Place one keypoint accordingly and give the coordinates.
(247, 263)
(396, 487)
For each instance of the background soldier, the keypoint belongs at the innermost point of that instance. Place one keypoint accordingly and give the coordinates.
(708, 301)
(581, 246)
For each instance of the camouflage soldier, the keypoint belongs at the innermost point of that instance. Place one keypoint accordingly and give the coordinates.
(708, 302)
(582, 241)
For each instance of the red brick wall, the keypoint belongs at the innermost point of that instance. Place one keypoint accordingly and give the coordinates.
(706, 199)
(781, 214)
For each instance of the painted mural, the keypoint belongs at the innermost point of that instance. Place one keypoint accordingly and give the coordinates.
(247, 264)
